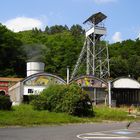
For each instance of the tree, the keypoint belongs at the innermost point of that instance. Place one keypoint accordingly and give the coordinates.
(76, 30)
(60, 47)
(124, 58)
(12, 56)
(57, 29)
(118, 67)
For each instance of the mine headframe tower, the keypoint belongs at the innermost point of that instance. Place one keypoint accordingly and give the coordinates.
(94, 50)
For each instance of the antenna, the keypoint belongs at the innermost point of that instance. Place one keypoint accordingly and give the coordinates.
(95, 50)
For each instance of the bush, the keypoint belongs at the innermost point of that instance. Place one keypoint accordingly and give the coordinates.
(64, 98)
(5, 102)
(77, 102)
(39, 103)
(54, 97)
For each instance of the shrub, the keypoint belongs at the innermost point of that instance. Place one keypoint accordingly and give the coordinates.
(5, 102)
(54, 97)
(77, 102)
(39, 103)
(32, 97)
(64, 98)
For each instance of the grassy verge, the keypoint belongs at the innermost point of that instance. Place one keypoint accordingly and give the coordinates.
(112, 114)
(24, 115)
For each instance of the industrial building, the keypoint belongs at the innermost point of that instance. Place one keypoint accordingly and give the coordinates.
(125, 91)
(94, 57)
(95, 87)
(34, 83)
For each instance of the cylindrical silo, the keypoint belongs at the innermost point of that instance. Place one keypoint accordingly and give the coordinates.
(34, 67)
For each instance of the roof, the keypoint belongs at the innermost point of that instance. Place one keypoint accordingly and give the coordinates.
(96, 18)
(90, 81)
(126, 83)
(10, 79)
(42, 74)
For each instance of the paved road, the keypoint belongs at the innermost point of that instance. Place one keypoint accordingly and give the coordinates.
(64, 132)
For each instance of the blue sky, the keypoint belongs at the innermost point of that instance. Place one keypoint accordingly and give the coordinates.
(123, 20)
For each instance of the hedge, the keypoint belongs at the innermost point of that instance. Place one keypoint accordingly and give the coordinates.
(5, 102)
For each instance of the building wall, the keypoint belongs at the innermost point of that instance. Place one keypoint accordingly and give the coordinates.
(95, 87)
(35, 90)
(6, 83)
(4, 86)
(32, 85)
(125, 91)
(16, 93)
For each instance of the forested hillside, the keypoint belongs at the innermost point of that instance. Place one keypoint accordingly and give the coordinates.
(59, 46)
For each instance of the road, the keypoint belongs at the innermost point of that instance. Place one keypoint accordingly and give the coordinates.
(70, 132)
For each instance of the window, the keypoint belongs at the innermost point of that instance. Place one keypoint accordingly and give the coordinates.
(30, 90)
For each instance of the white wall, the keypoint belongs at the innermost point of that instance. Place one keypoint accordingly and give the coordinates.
(36, 90)
(15, 93)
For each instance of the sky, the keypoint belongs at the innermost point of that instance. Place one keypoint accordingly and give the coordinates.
(122, 23)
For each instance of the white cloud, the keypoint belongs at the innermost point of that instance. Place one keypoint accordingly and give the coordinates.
(117, 37)
(103, 1)
(23, 23)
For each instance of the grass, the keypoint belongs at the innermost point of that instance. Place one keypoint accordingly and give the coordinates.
(113, 114)
(24, 115)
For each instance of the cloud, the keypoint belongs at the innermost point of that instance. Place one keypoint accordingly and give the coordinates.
(117, 37)
(23, 23)
(103, 1)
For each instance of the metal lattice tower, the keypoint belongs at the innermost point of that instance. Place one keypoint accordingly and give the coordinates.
(94, 50)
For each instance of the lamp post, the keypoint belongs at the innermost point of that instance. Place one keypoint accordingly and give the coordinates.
(109, 93)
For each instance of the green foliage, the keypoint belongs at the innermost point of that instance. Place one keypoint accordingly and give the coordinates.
(64, 98)
(124, 58)
(76, 30)
(39, 103)
(12, 56)
(76, 102)
(59, 46)
(5, 103)
(119, 66)
(25, 115)
(105, 113)
(56, 29)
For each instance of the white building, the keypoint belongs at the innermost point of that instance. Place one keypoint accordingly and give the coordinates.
(125, 91)
(34, 83)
